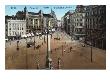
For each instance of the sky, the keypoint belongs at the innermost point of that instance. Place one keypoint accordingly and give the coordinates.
(60, 10)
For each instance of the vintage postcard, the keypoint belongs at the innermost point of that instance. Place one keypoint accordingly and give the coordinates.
(55, 37)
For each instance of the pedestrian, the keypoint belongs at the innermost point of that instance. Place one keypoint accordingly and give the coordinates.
(51, 51)
(59, 63)
(55, 49)
(70, 49)
(17, 45)
(64, 50)
(10, 41)
(51, 36)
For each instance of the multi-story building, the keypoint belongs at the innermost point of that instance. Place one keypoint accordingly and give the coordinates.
(62, 23)
(39, 21)
(96, 26)
(35, 22)
(6, 25)
(74, 23)
(54, 18)
(16, 28)
(78, 23)
(67, 22)
(59, 23)
(48, 21)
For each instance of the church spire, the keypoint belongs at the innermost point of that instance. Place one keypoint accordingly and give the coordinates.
(25, 9)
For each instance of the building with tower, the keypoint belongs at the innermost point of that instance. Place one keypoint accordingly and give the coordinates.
(74, 23)
(34, 21)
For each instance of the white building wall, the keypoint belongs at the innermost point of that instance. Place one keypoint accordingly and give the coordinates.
(44, 22)
(59, 23)
(16, 27)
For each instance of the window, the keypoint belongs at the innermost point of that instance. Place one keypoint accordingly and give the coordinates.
(80, 24)
(6, 30)
(80, 30)
(13, 32)
(10, 34)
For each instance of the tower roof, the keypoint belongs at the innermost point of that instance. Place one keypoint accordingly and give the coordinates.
(80, 8)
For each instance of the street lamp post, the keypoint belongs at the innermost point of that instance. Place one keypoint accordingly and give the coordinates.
(48, 59)
(91, 45)
(62, 50)
(44, 39)
(34, 31)
(17, 45)
(91, 53)
(26, 56)
(34, 40)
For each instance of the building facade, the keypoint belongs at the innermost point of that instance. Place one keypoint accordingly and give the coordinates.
(39, 21)
(59, 23)
(16, 28)
(62, 23)
(74, 23)
(96, 26)
(78, 21)
(48, 21)
(67, 22)
(6, 25)
(33, 22)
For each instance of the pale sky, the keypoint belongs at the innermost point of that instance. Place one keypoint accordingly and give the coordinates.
(60, 10)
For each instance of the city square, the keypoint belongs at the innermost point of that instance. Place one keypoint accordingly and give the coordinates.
(78, 58)
(67, 47)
